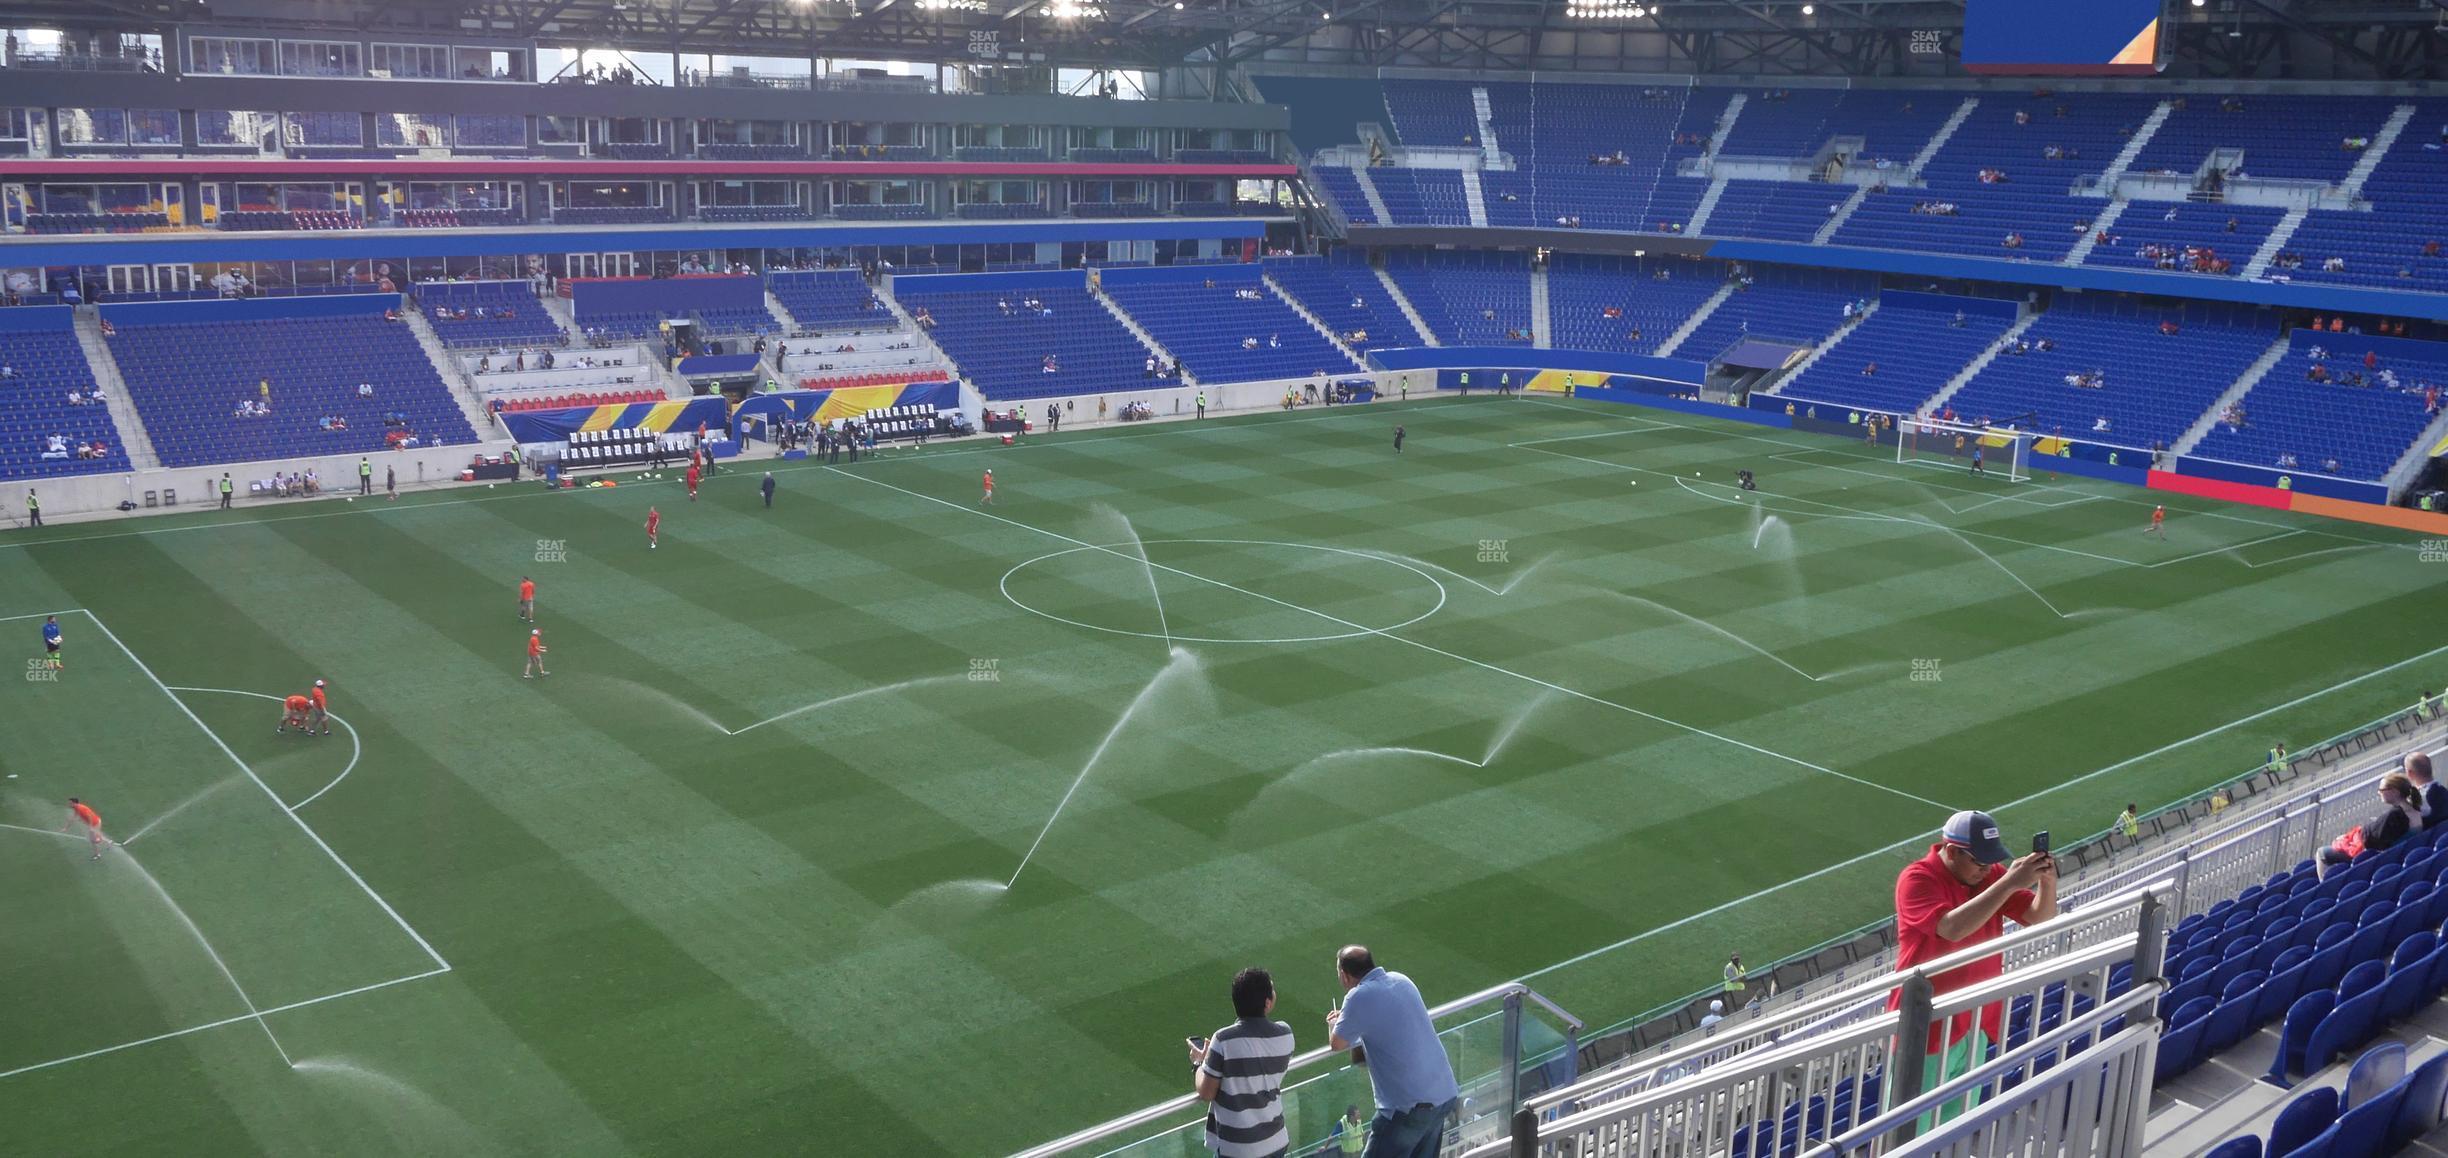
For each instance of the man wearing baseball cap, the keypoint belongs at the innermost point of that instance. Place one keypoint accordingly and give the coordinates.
(1960, 895)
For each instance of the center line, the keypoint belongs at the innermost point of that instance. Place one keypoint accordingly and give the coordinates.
(1430, 648)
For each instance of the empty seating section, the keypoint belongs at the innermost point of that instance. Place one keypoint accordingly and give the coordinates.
(2365, 428)
(741, 320)
(1469, 299)
(1001, 210)
(877, 153)
(1894, 126)
(1794, 305)
(866, 212)
(1227, 326)
(998, 153)
(113, 222)
(637, 307)
(582, 398)
(725, 213)
(732, 151)
(1345, 294)
(1567, 125)
(610, 215)
(2032, 202)
(1623, 304)
(269, 219)
(1105, 156)
(637, 151)
(498, 313)
(2406, 216)
(2154, 385)
(830, 299)
(872, 378)
(43, 367)
(1509, 198)
(1342, 187)
(1901, 357)
(2293, 137)
(1001, 345)
(188, 377)
(2156, 234)
(1144, 209)
(1422, 196)
(1775, 210)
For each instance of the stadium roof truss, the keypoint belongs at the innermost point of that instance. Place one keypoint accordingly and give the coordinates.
(2316, 39)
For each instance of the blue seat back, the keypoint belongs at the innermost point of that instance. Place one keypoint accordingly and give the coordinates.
(2312, 1111)
(2380, 1067)
(2248, 1146)
(2364, 1128)
(2414, 948)
(2345, 1029)
(2420, 1111)
(2361, 979)
(2295, 1036)
(2407, 988)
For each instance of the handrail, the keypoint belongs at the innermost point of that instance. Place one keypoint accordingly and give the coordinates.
(1188, 1102)
(1878, 986)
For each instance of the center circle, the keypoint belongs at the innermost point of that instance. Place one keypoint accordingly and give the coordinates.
(1128, 555)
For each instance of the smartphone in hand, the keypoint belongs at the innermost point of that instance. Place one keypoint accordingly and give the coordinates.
(2040, 842)
(1196, 1043)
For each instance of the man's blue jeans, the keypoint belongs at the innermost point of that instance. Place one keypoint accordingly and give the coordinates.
(1414, 1133)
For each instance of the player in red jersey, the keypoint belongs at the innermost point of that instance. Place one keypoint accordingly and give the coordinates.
(293, 714)
(535, 654)
(322, 710)
(654, 519)
(2158, 523)
(692, 482)
(80, 812)
(988, 501)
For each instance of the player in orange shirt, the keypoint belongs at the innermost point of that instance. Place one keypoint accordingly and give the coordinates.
(526, 599)
(692, 482)
(2158, 523)
(322, 709)
(654, 519)
(535, 654)
(80, 812)
(293, 714)
(988, 501)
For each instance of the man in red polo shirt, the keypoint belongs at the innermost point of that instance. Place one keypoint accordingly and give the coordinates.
(1958, 896)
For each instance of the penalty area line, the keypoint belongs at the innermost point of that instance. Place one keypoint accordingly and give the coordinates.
(240, 1019)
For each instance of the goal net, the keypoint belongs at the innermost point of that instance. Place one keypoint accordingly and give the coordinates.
(2002, 451)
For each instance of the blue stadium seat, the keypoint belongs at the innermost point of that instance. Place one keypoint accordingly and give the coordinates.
(2295, 1038)
(2232, 1020)
(2380, 1067)
(2420, 1109)
(2247, 1146)
(2346, 1028)
(2364, 1127)
(2304, 1118)
(2407, 988)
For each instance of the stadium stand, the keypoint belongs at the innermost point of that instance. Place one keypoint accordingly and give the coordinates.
(734, 213)
(1473, 299)
(2152, 386)
(829, 299)
(732, 151)
(1002, 346)
(1904, 354)
(1422, 196)
(1801, 306)
(498, 313)
(1775, 210)
(568, 401)
(1345, 294)
(1648, 299)
(1224, 323)
(188, 375)
(1342, 188)
(40, 366)
(2393, 239)
(2355, 421)
(129, 221)
(610, 215)
(2186, 236)
(1894, 126)
(2295, 138)
(867, 212)
(2009, 135)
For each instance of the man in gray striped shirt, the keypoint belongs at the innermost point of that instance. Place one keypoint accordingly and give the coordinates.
(1240, 1073)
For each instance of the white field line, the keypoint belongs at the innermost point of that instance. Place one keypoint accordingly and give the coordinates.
(39, 615)
(2107, 497)
(178, 1033)
(2010, 805)
(778, 466)
(438, 960)
(356, 748)
(1430, 648)
(2222, 550)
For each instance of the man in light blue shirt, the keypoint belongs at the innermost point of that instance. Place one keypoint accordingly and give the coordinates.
(1385, 1019)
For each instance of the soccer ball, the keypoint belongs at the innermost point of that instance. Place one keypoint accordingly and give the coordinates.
(352, 498)
(488, 486)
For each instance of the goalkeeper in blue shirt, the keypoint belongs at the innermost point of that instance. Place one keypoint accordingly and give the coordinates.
(51, 642)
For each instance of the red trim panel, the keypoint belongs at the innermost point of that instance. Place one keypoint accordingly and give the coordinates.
(2210, 488)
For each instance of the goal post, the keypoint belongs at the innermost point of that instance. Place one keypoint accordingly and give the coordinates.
(2002, 450)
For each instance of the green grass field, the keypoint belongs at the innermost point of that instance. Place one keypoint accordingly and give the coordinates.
(1543, 696)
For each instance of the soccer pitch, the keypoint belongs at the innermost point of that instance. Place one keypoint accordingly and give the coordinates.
(883, 821)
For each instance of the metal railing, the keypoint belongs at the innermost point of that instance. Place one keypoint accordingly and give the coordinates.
(2082, 1088)
(1694, 1100)
(1125, 1132)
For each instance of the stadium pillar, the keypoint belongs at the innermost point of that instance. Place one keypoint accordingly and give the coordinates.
(1525, 1135)
(1512, 1055)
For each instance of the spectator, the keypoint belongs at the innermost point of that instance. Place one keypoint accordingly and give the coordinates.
(1350, 1134)
(1715, 1014)
(2399, 815)
(1386, 1023)
(1961, 895)
(1240, 1072)
(2432, 794)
